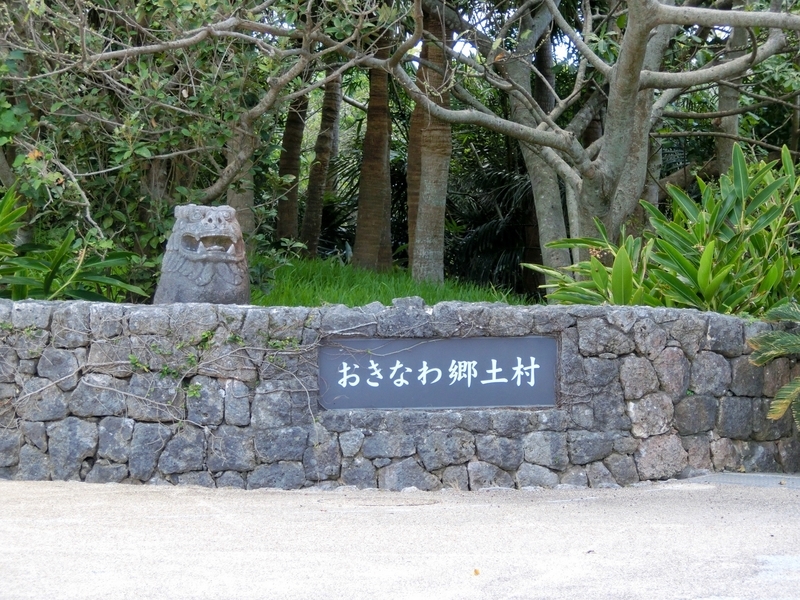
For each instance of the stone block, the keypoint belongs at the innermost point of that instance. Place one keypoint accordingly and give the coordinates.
(359, 472)
(192, 323)
(765, 429)
(575, 477)
(272, 409)
(99, 395)
(650, 338)
(338, 319)
(698, 448)
(205, 401)
(237, 403)
(510, 423)
(485, 475)
(35, 434)
(589, 446)
(551, 319)
(760, 457)
(455, 477)
(34, 465)
(70, 327)
(29, 314)
(227, 360)
(70, 441)
(147, 443)
(440, 449)
(41, 400)
(711, 374)
(788, 454)
(508, 321)
(625, 444)
(673, 371)
(622, 317)
(148, 320)
(776, 375)
(9, 364)
(696, 414)
(105, 472)
(596, 337)
(111, 357)
(407, 473)
(30, 343)
(746, 378)
(404, 322)
(608, 407)
(725, 335)
(660, 457)
(622, 468)
(231, 449)
(724, 455)
(384, 444)
(530, 475)
(735, 417)
(114, 438)
(476, 421)
(350, 442)
(155, 398)
(283, 444)
(198, 478)
(652, 415)
(600, 476)
(689, 330)
(321, 458)
(185, 451)
(107, 321)
(10, 443)
(551, 419)
(283, 475)
(506, 453)
(231, 479)
(546, 448)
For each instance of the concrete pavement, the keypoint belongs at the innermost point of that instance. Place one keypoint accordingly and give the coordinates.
(700, 539)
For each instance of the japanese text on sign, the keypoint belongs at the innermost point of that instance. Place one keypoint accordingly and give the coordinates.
(375, 373)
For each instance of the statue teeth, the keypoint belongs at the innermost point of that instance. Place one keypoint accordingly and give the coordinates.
(230, 249)
(201, 247)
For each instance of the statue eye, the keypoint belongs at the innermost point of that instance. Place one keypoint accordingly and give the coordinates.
(197, 215)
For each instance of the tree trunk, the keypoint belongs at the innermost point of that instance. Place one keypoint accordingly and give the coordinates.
(414, 163)
(434, 164)
(318, 175)
(728, 99)
(373, 244)
(544, 180)
(289, 167)
(241, 194)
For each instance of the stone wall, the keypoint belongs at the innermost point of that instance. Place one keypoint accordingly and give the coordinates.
(227, 396)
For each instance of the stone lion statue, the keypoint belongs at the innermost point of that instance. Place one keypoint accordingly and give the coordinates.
(205, 259)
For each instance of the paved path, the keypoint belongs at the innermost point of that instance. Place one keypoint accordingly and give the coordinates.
(701, 539)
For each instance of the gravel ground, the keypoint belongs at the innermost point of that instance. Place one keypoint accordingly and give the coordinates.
(706, 538)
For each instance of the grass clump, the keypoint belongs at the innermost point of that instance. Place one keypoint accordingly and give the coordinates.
(314, 283)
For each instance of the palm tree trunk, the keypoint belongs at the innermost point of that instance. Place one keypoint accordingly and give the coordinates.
(373, 249)
(427, 244)
(317, 178)
(289, 167)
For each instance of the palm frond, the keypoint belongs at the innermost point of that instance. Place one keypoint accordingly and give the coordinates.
(788, 395)
(773, 344)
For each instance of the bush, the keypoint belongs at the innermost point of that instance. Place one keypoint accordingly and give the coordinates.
(735, 251)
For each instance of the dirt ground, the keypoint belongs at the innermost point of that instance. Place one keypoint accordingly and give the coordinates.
(699, 539)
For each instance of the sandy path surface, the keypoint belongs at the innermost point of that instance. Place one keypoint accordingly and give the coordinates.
(666, 540)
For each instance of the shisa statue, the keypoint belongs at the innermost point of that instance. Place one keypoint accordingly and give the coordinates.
(205, 259)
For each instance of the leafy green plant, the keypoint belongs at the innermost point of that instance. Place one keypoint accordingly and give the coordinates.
(624, 282)
(734, 251)
(770, 345)
(76, 268)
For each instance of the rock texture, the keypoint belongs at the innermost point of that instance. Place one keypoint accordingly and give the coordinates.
(226, 396)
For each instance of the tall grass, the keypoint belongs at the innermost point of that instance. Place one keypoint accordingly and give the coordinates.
(316, 282)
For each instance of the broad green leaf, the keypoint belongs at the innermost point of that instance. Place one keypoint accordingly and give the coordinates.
(621, 278)
(686, 203)
(741, 181)
(704, 269)
(599, 275)
(685, 266)
(677, 290)
(764, 195)
(788, 166)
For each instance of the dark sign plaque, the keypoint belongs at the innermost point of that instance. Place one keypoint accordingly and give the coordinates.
(438, 373)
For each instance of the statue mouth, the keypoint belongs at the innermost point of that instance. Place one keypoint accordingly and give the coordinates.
(210, 247)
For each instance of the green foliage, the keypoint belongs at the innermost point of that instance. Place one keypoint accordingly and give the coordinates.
(76, 268)
(734, 251)
(770, 345)
(316, 282)
(624, 282)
